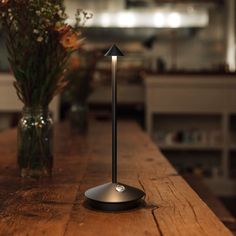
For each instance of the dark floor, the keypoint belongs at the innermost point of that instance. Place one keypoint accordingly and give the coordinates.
(230, 203)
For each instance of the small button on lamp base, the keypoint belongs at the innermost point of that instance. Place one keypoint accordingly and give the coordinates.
(114, 197)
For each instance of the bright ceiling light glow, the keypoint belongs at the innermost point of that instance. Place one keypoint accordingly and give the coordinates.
(126, 19)
(174, 20)
(105, 20)
(159, 20)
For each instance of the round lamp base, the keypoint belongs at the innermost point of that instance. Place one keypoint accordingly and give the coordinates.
(114, 197)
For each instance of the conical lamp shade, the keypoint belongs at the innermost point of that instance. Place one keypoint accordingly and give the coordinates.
(114, 51)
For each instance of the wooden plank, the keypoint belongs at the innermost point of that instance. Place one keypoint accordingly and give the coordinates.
(210, 199)
(172, 208)
(124, 223)
(56, 206)
(29, 207)
(37, 210)
(85, 221)
(179, 210)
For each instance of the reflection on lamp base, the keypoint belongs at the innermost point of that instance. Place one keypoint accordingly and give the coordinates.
(114, 197)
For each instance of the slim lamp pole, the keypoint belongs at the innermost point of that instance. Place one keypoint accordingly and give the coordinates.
(114, 120)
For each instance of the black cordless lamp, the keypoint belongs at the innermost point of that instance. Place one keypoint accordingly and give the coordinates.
(114, 196)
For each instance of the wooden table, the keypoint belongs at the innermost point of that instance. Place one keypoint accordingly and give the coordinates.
(56, 206)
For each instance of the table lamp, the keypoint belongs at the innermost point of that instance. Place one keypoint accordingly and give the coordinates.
(114, 196)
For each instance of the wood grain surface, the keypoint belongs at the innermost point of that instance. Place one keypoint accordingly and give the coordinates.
(56, 206)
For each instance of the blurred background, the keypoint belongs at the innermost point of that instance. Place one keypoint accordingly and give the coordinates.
(177, 80)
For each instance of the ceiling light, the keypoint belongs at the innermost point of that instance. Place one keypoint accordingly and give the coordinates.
(159, 20)
(126, 19)
(105, 20)
(174, 20)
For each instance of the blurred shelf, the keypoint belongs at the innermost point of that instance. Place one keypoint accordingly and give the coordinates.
(221, 186)
(233, 147)
(232, 142)
(102, 94)
(190, 147)
(180, 103)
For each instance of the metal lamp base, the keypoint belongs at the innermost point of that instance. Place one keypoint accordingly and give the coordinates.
(114, 197)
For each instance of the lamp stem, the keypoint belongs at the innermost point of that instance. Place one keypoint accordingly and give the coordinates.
(114, 120)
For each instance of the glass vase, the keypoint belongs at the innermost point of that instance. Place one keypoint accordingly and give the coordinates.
(35, 143)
